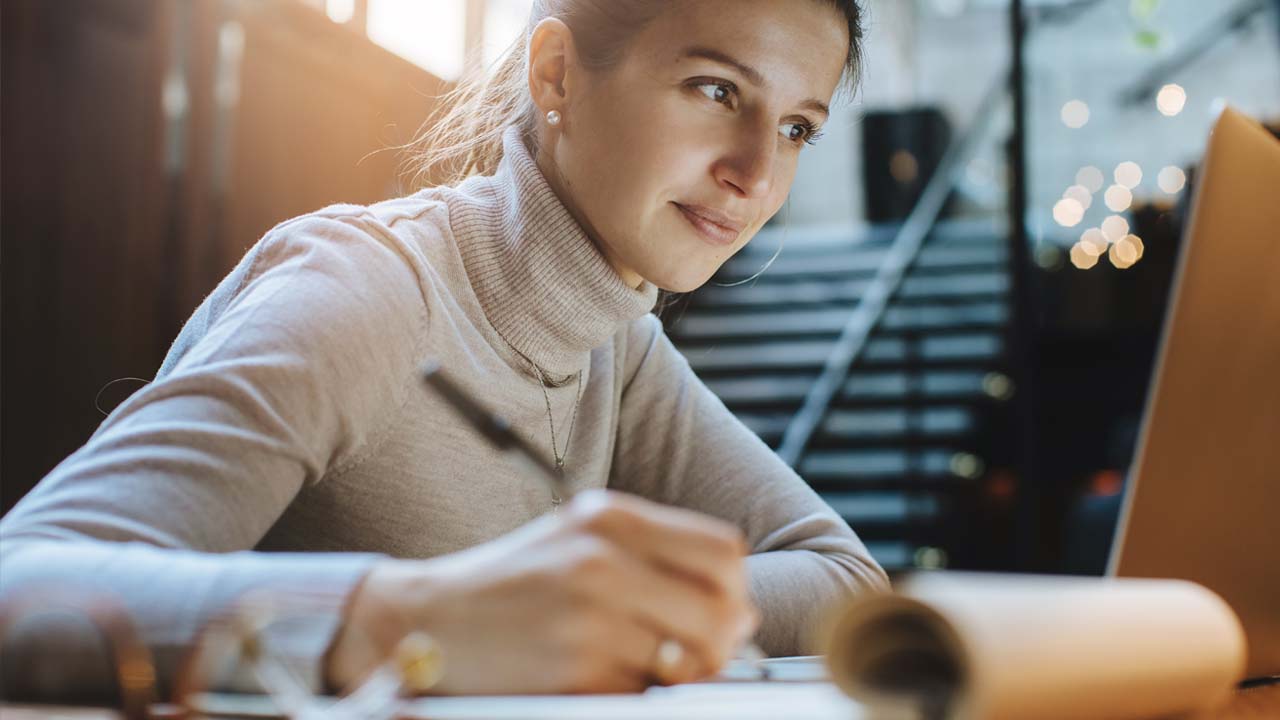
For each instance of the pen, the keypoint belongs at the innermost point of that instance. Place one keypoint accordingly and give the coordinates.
(497, 430)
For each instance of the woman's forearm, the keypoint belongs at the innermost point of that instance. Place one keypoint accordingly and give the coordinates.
(170, 596)
(797, 590)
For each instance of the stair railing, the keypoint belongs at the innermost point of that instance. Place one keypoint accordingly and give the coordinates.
(902, 253)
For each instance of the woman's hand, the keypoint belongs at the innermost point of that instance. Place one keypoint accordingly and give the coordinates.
(578, 602)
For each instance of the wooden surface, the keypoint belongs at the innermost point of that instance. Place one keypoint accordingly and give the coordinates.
(1251, 704)
(1257, 703)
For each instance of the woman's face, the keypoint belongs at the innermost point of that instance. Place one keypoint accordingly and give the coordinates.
(675, 157)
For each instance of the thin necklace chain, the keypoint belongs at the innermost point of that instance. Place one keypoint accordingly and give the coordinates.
(558, 456)
(573, 419)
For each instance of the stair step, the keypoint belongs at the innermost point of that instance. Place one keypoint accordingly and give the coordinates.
(879, 426)
(969, 285)
(860, 388)
(966, 347)
(702, 325)
(883, 508)
(852, 468)
(892, 555)
(889, 422)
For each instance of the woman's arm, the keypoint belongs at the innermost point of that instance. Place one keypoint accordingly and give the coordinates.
(678, 444)
(284, 375)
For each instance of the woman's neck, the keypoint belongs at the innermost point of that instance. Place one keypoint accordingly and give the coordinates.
(543, 156)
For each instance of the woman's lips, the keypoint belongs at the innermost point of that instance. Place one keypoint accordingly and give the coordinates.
(711, 225)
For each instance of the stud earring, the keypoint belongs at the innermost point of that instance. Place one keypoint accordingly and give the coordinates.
(553, 117)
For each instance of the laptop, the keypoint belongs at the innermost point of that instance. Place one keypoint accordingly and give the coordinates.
(1203, 498)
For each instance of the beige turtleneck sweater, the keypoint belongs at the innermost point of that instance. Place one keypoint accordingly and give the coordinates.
(286, 441)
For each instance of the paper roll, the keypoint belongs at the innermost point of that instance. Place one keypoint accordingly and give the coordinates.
(988, 647)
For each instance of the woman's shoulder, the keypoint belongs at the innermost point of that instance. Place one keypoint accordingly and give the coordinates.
(343, 271)
(410, 226)
(644, 342)
(402, 244)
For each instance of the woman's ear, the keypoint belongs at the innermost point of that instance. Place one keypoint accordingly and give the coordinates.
(552, 62)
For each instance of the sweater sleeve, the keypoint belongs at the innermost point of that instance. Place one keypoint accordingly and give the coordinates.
(284, 375)
(679, 445)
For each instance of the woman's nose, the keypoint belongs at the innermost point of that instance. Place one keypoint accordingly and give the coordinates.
(747, 165)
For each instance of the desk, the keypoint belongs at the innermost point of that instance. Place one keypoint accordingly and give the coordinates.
(1257, 703)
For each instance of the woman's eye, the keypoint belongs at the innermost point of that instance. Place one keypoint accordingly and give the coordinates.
(800, 132)
(795, 132)
(717, 92)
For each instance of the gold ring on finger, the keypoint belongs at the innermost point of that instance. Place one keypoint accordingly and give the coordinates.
(667, 659)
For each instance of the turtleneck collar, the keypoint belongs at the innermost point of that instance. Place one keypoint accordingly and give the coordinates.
(542, 282)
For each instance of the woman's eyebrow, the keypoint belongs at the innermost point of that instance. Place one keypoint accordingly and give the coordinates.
(751, 74)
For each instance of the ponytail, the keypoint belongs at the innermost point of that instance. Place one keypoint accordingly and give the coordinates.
(464, 137)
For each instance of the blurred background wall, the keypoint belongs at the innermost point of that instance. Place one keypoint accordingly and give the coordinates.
(146, 144)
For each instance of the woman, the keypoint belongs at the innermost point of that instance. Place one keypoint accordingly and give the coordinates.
(630, 146)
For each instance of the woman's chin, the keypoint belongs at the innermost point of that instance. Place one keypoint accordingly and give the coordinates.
(682, 280)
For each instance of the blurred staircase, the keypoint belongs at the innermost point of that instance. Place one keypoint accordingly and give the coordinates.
(902, 451)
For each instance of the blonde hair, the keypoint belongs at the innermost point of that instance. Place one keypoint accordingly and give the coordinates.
(464, 137)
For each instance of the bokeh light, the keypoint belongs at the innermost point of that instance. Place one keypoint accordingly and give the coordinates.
(1093, 241)
(340, 11)
(997, 385)
(930, 558)
(1171, 99)
(1172, 179)
(1080, 194)
(1128, 174)
(967, 465)
(1049, 257)
(1090, 178)
(1068, 212)
(1115, 227)
(904, 167)
(1135, 242)
(1118, 198)
(1123, 254)
(1081, 257)
(1075, 114)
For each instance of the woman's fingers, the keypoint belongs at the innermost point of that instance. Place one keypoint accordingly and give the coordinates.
(704, 548)
(705, 623)
(643, 655)
(614, 594)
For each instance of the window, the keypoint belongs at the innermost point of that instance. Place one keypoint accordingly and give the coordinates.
(439, 35)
